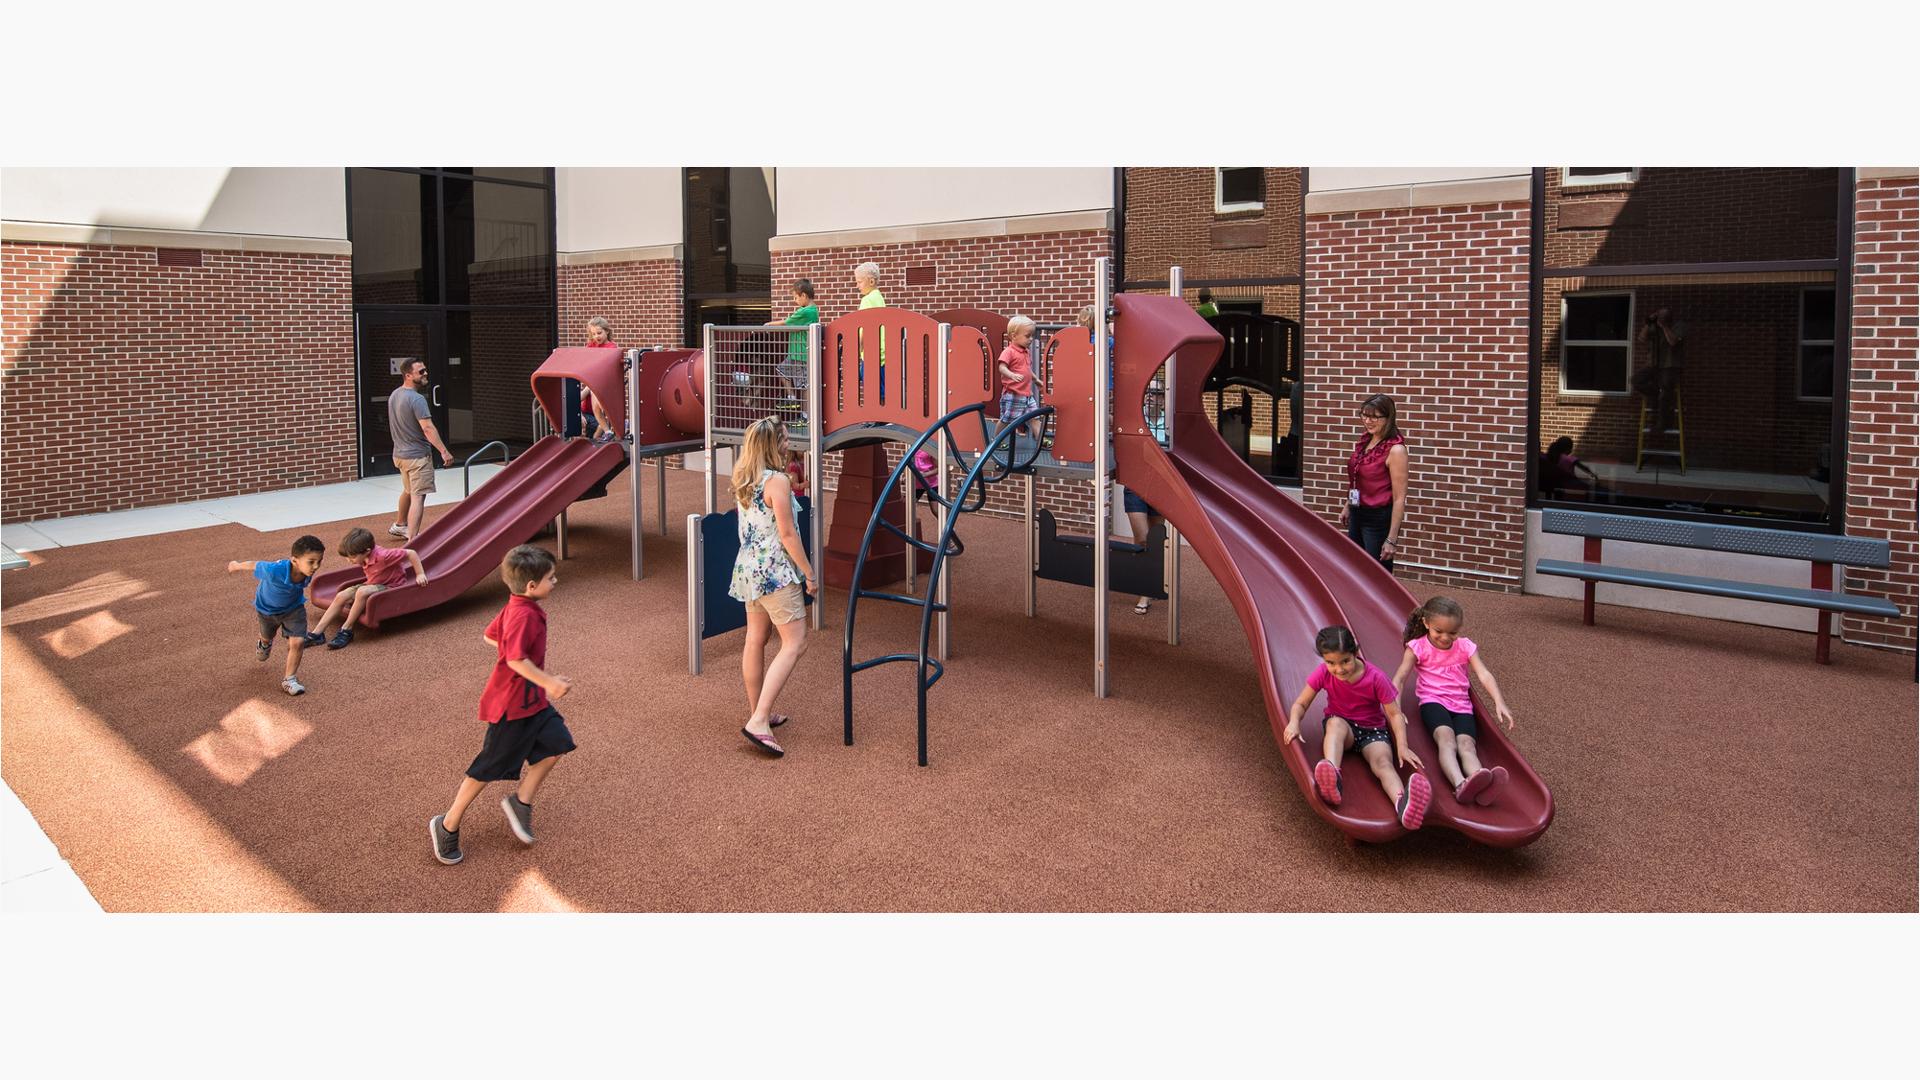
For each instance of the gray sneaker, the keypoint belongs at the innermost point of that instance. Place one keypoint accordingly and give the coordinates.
(446, 845)
(292, 686)
(262, 650)
(519, 818)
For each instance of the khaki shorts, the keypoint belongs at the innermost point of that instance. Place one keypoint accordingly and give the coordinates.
(782, 605)
(417, 474)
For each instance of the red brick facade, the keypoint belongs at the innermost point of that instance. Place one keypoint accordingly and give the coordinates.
(1884, 385)
(130, 383)
(1429, 306)
(1047, 277)
(642, 299)
(1692, 215)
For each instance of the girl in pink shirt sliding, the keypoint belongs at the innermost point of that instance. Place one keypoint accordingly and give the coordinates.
(1363, 712)
(1441, 657)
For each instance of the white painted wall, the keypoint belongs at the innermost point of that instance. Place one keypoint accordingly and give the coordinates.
(601, 209)
(1339, 179)
(1755, 568)
(834, 200)
(255, 202)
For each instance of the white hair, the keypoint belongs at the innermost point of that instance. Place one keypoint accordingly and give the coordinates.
(1019, 323)
(868, 270)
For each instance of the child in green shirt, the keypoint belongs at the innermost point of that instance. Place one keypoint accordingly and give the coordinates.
(794, 370)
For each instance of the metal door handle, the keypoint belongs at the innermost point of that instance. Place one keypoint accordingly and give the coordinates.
(436, 393)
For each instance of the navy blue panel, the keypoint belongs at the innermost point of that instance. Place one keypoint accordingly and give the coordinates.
(1741, 539)
(720, 545)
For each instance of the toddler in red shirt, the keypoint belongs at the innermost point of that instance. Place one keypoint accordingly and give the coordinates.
(386, 569)
(1363, 712)
(516, 706)
(1019, 390)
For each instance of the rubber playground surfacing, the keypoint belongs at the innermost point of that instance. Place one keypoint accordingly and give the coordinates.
(1696, 765)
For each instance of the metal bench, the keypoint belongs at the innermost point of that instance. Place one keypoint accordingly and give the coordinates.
(1823, 550)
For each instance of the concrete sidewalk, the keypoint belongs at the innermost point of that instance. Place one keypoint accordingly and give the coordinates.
(33, 876)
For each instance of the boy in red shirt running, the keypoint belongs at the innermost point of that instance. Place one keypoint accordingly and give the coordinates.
(522, 725)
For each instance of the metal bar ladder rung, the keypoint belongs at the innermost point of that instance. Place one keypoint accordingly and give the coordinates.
(901, 598)
(939, 669)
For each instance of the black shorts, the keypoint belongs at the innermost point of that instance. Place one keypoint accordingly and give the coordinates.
(1362, 734)
(1436, 716)
(530, 739)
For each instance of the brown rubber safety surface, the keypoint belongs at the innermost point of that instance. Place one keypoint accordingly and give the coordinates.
(1696, 765)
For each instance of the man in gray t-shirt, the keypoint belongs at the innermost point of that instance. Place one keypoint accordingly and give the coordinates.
(410, 419)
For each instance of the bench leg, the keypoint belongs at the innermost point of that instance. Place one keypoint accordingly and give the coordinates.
(1823, 639)
(1586, 611)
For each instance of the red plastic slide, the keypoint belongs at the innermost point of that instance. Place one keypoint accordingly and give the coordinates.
(1287, 574)
(466, 545)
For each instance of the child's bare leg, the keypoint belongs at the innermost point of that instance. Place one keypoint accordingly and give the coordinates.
(530, 782)
(1443, 738)
(294, 646)
(793, 642)
(360, 598)
(600, 417)
(753, 659)
(469, 789)
(1338, 737)
(1469, 758)
(1380, 759)
(343, 597)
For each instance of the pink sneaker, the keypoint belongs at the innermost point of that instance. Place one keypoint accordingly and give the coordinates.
(1473, 786)
(1412, 807)
(1492, 794)
(1327, 779)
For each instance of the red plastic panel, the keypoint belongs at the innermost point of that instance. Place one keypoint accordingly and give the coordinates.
(970, 379)
(1070, 352)
(854, 387)
(600, 369)
(992, 326)
(671, 409)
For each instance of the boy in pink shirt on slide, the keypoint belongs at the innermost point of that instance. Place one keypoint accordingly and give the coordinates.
(385, 567)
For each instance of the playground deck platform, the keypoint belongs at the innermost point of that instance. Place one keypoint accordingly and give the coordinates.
(1696, 765)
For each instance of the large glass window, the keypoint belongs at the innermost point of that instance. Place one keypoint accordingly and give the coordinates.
(1691, 347)
(729, 265)
(1239, 189)
(395, 230)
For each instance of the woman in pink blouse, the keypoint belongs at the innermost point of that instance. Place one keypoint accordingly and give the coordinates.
(1376, 499)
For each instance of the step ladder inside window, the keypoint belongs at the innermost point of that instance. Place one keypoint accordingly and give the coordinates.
(1656, 442)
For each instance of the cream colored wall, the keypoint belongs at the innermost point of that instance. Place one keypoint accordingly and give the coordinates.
(256, 202)
(1345, 179)
(836, 200)
(602, 209)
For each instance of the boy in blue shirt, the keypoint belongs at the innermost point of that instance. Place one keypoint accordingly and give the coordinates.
(281, 603)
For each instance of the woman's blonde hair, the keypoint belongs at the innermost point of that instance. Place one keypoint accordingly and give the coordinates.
(759, 453)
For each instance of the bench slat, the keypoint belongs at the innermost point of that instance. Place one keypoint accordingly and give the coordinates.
(1738, 539)
(1738, 590)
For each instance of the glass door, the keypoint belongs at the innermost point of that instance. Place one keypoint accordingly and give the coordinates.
(386, 342)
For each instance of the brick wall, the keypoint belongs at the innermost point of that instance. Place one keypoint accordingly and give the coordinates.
(1741, 398)
(1692, 215)
(1884, 384)
(1429, 306)
(1171, 222)
(194, 382)
(1046, 276)
(642, 299)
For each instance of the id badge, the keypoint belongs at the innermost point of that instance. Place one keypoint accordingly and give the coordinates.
(1353, 496)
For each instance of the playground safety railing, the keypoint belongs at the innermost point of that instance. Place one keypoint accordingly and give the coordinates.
(758, 371)
(466, 473)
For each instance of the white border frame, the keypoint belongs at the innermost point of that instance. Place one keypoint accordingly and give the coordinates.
(1219, 184)
(1567, 179)
(1802, 341)
(1627, 383)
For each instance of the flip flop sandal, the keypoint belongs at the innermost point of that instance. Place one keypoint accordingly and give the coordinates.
(1492, 794)
(764, 743)
(1473, 786)
(1327, 779)
(777, 719)
(1142, 607)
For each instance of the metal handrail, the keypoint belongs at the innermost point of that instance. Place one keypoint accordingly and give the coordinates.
(466, 476)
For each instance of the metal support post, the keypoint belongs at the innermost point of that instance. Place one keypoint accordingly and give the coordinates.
(1173, 584)
(696, 593)
(1033, 546)
(817, 520)
(941, 586)
(912, 523)
(560, 530)
(713, 467)
(633, 469)
(1176, 285)
(661, 468)
(1102, 463)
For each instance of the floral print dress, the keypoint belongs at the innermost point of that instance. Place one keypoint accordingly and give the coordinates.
(763, 565)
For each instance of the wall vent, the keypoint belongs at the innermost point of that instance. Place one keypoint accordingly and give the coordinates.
(178, 256)
(919, 275)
